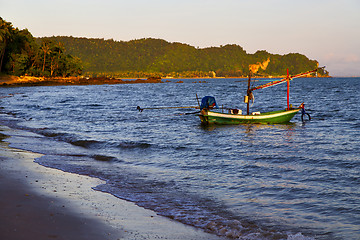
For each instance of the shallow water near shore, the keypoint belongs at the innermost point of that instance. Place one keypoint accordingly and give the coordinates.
(291, 181)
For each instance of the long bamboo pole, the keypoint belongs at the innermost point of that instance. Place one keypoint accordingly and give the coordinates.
(197, 98)
(141, 109)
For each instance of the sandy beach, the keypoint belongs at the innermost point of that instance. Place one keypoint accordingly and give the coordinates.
(42, 203)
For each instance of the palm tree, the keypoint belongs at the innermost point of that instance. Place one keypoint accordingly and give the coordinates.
(60, 50)
(5, 34)
(46, 49)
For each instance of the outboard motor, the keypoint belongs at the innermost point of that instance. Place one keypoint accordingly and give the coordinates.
(208, 102)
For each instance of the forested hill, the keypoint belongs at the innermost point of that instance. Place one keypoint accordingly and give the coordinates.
(144, 56)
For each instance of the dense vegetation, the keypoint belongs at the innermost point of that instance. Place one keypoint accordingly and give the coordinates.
(157, 57)
(21, 54)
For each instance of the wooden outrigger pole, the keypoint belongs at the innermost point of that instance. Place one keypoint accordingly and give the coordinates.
(276, 82)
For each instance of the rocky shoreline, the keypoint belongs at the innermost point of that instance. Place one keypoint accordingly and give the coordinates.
(25, 81)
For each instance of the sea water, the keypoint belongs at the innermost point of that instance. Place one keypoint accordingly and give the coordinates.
(284, 181)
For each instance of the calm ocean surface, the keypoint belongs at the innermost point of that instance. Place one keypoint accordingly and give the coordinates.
(292, 181)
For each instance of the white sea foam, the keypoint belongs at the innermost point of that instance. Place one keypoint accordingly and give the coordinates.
(299, 236)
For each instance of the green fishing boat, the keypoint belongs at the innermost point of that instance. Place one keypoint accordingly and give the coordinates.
(282, 116)
(234, 116)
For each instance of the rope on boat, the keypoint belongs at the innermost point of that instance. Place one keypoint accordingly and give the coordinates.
(252, 97)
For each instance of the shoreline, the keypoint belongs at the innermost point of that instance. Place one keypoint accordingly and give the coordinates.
(28, 81)
(46, 203)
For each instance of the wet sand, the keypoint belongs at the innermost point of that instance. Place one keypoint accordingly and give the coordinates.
(43, 203)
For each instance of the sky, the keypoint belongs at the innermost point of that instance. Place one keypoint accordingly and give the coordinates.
(324, 30)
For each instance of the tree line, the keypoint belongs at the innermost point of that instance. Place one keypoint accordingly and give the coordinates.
(22, 54)
(149, 57)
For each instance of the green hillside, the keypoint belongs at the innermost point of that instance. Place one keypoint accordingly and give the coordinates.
(148, 57)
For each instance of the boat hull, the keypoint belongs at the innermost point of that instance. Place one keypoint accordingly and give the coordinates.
(282, 116)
